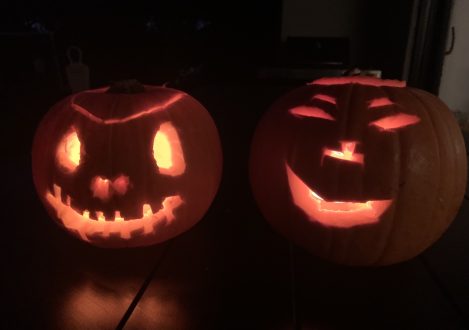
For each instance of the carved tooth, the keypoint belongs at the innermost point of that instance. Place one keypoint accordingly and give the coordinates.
(125, 233)
(58, 192)
(68, 200)
(86, 214)
(148, 227)
(168, 206)
(100, 216)
(117, 216)
(147, 211)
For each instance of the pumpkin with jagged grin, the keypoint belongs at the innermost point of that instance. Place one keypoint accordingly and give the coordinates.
(359, 170)
(127, 165)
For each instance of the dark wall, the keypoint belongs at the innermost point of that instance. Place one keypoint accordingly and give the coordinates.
(384, 27)
(150, 40)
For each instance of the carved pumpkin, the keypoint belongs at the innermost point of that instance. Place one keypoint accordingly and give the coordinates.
(359, 170)
(126, 166)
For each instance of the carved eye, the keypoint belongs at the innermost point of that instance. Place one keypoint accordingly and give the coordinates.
(68, 152)
(325, 98)
(380, 102)
(393, 122)
(310, 112)
(167, 151)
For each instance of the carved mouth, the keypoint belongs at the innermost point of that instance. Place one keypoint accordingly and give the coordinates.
(86, 227)
(342, 214)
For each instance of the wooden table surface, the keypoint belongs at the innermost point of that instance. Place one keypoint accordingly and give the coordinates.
(231, 271)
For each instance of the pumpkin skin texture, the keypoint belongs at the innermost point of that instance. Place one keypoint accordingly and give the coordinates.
(126, 167)
(359, 170)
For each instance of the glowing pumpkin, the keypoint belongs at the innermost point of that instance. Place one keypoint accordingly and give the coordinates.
(359, 170)
(129, 165)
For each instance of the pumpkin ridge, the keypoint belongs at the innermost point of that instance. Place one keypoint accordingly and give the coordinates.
(442, 176)
(460, 177)
(391, 212)
(350, 90)
(424, 110)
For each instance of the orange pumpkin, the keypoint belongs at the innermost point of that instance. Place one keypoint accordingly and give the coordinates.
(126, 166)
(359, 170)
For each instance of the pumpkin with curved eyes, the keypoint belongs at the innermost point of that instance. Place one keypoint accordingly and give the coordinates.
(129, 165)
(359, 170)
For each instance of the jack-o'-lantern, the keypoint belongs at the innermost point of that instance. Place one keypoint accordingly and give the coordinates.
(126, 166)
(359, 170)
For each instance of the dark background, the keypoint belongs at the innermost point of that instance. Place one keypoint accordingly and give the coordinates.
(230, 271)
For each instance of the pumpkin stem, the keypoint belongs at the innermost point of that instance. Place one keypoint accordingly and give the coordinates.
(129, 86)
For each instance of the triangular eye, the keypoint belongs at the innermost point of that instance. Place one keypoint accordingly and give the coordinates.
(68, 153)
(310, 112)
(167, 151)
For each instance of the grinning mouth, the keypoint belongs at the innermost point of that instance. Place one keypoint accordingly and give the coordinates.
(86, 227)
(342, 214)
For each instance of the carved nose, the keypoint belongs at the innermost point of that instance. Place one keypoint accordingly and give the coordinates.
(103, 188)
(347, 153)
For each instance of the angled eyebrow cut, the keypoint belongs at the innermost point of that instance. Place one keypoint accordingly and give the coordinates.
(325, 98)
(380, 102)
(310, 112)
(393, 122)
